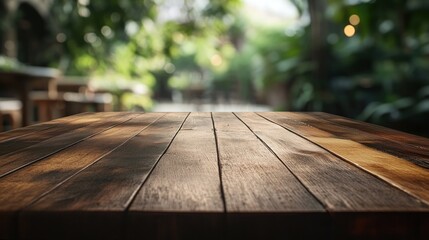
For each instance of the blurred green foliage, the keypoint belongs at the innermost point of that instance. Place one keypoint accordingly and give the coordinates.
(380, 74)
(9, 64)
(89, 31)
(125, 39)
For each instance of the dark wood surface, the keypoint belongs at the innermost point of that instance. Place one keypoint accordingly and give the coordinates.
(274, 175)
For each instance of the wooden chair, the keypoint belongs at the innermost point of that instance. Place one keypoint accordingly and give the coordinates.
(10, 110)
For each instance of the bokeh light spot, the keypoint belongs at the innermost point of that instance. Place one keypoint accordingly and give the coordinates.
(354, 20)
(61, 37)
(216, 60)
(349, 31)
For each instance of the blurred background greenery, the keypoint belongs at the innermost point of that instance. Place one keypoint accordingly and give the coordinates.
(364, 59)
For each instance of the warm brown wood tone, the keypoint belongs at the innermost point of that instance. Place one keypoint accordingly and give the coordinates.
(18, 159)
(406, 146)
(212, 176)
(186, 179)
(386, 133)
(29, 184)
(115, 181)
(397, 171)
(260, 185)
(321, 173)
(254, 180)
(17, 133)
(9, 146)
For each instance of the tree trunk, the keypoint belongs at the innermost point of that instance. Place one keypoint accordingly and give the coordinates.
(318, 44)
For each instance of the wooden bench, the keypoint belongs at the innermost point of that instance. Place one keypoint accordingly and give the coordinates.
(271, 175)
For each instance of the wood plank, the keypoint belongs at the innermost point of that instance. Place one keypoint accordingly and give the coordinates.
(256, 183)
(40, 135)
(23, 187)
(406, 146)
(304, 159)
(387, 133)
(260, 186)
(114, 179)
(20, 132)
(19, 159)
(358, 194)
(183, 192)
(398, 172)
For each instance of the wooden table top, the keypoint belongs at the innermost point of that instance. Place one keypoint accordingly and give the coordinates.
(212, 176)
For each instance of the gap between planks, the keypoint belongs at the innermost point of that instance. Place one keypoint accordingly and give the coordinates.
(222, 190)
(87, 199)
(20, 155)
(95, 161)
(23, 182)
(278, 158)
(134, 195)
(395, 179)
(24, 131)
(9, 146)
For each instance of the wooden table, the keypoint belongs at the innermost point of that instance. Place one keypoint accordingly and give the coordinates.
(212, 176)
(22, 82)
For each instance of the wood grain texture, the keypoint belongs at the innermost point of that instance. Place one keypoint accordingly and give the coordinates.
(23, 187)
(253, 177)
(320, 172)
(185, 180)
(212, 176)
(257, 184)
(114, 181)
(406, 146)
(20, 132)
(186, 177)
(387, 133)
(343, 189)
(37, 136)
(398, 172)
(18, 159)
